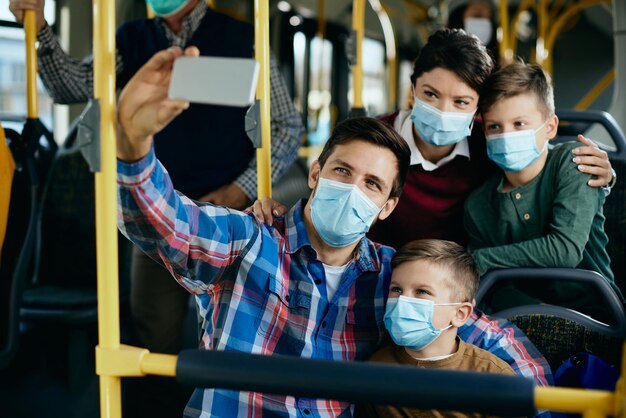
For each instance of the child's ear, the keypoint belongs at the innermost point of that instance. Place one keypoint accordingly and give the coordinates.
(463, 312)
(552, 126)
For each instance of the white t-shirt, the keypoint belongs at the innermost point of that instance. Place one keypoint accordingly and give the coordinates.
(333, 277)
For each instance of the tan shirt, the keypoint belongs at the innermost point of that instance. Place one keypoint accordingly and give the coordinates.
(468, 357)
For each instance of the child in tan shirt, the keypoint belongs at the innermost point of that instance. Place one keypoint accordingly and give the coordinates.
(430, 296)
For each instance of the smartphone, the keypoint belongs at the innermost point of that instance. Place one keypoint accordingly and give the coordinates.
(215, 80)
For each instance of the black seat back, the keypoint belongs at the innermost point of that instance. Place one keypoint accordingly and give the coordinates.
(32, 152)
(64, 281)
(558, 332)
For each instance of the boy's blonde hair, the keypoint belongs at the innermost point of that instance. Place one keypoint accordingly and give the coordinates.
(516, 79)
(463, 278)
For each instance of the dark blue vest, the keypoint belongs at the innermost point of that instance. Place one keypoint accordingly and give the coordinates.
(206, 146)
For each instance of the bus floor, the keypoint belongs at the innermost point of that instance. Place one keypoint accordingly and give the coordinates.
(53, 375)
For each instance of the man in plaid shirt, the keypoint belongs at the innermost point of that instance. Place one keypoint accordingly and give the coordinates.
(311, 285)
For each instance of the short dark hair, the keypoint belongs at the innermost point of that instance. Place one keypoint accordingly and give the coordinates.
(375, 132)
(516, 79)
(464, 277)
(456, 51)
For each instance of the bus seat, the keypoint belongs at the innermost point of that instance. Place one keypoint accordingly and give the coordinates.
(577, 121)
(32, 152)
(62, 289)
(558, 332)
(7, 166)
(615, 205)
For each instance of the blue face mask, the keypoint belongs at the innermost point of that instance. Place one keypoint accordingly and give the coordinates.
(410, 321)
(514, 151)
(341, 212)
(440, 128)
(165, 8)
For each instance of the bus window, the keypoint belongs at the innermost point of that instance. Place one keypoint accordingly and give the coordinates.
(319, 99)
(374, 78)
(404, 85)
(13, 71)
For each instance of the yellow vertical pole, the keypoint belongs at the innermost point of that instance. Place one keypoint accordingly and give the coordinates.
(542, 23)
(321, 18)
(262, 52)
(106, 200)
(358, 24)
(503, 31)
(30, 29)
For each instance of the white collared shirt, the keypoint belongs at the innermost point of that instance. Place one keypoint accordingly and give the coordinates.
(404, 126)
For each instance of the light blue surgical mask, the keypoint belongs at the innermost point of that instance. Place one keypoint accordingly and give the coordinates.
(410, 321)
(165, 8)
(514, 151)
(440, 128)
(481, 27)
(341, 212)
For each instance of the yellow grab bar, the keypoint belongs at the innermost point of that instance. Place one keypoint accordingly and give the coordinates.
(358, 24)
(30, 29)
(262, 51)
(106, 200)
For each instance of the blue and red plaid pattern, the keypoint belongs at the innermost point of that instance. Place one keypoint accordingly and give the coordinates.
(261, 289)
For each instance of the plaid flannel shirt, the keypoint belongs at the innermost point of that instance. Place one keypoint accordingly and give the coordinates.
(261, 289)
(258, 289)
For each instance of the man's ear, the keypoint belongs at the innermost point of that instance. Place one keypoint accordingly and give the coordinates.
(388, 208)
(463, 312)
(552, 126)
(314, 174)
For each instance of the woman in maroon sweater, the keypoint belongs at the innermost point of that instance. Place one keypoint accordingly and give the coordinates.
(448, 157)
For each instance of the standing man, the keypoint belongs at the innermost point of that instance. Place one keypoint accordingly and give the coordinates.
(206, 150)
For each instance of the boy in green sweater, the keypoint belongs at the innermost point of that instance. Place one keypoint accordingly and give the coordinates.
(539, 212)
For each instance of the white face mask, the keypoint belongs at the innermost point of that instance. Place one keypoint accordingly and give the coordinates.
(479, 26)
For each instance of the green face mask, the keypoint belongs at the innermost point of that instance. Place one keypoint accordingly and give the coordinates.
(164, 8)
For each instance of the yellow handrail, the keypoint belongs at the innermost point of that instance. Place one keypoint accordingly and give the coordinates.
(262, 51)
(358, 24)
(30, 29)
(134, 361)
(541, 52)
(596, 90)
(574, 400)
(506, 51)
(562, 20)
(512, 34)
(321, 19)
(106, 201)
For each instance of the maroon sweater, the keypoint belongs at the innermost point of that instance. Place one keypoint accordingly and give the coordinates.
(431, 205)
